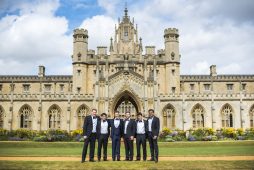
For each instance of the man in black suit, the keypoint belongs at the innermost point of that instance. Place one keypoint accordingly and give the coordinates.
(141, 134)
(90, 134)
(116, 134)
(103, 128)
(153, 133)
(129, 130)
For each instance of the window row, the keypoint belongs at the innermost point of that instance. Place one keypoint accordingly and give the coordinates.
(198, 116)
(229, 86)
(54, 116)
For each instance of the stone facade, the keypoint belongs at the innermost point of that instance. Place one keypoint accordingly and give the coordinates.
(124, 77)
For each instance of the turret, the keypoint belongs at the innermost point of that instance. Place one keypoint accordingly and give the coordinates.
(171, 36)
(80, 45)
(79, 59)
(172, 60)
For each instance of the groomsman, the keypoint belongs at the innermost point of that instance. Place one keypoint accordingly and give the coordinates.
(103, 130)
(141, 132)
(90, 134)
(129, 132)
(116, 134)
(153, 133)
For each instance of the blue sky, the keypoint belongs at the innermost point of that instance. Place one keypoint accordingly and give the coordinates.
(39, 32)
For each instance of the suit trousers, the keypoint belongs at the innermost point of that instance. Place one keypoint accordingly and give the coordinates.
(153, 146)
(89, 140)
(116, 143)
(128, 143)
(141, 140)
(102, 142)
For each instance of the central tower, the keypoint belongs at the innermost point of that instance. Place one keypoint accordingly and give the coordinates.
(126, 37)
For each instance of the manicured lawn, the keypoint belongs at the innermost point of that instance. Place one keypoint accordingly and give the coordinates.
(128, 165)
(228, 148)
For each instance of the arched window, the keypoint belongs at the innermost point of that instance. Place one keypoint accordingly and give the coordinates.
(54, 117)
(169, 117)
(1, 117)
(26, 117)
(227, 116)
(251, 116)
(198, 116)
(82, 113)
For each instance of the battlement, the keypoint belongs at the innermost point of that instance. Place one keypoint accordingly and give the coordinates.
(80, 31)
(169, 31)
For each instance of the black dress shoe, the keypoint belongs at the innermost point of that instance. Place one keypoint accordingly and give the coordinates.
(91, 160)
(126, 159)
(155, 160)
(105, 160)
(82, 161)
(118, 159)
(99, 160)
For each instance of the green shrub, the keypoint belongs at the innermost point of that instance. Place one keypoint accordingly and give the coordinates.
(25, 133)
(3, 132)
(40, 139)
(169, 138)
(229, 132)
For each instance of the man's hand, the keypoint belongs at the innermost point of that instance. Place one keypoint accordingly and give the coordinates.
(85, 137)
(132, 137)
(155, 137)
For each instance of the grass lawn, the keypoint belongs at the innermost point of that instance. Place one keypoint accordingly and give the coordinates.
(127, 165)
(223, 148)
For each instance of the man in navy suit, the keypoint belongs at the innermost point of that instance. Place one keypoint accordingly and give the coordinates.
(141, 134)
(103, 130)
(90, 135)
(128, 135)
(116, 134)
(153, 133)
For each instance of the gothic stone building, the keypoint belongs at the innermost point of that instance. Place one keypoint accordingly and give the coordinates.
(124, 77)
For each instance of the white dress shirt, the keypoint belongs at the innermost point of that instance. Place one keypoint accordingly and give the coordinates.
(141, 127)
(104, 127)
(116, 123)
(94, 124)
(125, 126)
(150, 121)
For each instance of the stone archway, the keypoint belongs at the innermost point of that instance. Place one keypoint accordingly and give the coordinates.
(126, 101)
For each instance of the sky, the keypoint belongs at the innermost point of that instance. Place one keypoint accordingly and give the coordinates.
(39, 32)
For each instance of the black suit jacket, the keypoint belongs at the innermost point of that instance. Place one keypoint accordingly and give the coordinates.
(146, 127)
(88, 125)
(155, 126)
(113, 127)
(98, 128)
(131, 128)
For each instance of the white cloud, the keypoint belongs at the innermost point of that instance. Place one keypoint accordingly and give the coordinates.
(110, 6)
(200, 68)
(100, 29)
(34, 37)
(211, 32)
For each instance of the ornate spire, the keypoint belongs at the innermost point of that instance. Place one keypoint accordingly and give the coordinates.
(111, 45)
(126, 10)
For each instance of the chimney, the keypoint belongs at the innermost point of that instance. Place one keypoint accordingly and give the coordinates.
(41, 72)
(213, 70)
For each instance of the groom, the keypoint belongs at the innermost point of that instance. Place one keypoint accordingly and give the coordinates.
(90, 135)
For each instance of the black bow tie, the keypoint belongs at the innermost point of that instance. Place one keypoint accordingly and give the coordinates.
(104, 120)
(117, 119)
(94, 117)
(140, 121)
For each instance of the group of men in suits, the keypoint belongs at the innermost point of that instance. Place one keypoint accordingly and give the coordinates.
(101, 128)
